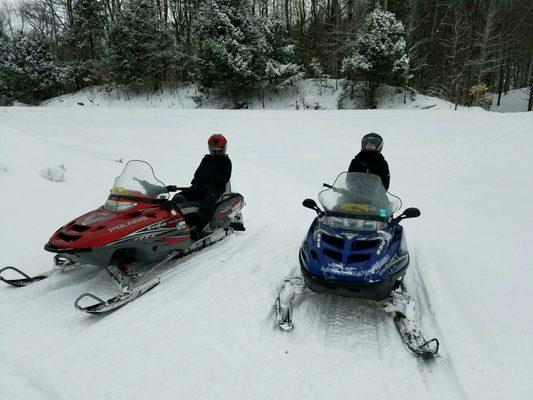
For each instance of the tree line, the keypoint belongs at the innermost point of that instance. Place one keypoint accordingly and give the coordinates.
(460, 50)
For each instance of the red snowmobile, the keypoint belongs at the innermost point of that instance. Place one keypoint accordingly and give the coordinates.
(134, 232)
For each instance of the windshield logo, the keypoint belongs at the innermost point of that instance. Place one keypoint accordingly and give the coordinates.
(357, 207)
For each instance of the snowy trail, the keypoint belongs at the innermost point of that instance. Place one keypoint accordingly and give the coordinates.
(206, 332)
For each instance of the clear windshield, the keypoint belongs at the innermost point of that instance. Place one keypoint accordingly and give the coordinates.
(359, 195)
(136, 182)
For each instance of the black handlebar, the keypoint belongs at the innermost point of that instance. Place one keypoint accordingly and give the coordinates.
(328, 186)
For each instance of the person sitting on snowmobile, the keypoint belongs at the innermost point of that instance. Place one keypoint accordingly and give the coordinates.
(209, 181)
(370, 159)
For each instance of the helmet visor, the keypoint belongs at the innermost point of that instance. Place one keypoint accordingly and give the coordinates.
(217, 149)
(371, 144)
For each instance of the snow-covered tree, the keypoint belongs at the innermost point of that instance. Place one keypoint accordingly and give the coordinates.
(88, 27)
(277, 54)
(32, 73)
(140, 47)
(237, 53)
(87, 37)
(5, 96)
(314, 69)
(226, 39)
(378, 54)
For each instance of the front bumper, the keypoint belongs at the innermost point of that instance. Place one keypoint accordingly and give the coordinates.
(379, 290)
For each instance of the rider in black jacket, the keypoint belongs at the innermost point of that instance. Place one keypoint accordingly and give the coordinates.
(371, 160)
(210, 179)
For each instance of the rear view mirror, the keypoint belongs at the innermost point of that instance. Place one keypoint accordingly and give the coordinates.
(310, 203)
(410, 212)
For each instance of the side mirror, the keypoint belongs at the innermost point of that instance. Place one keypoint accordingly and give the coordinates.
(410, 212)
(310, 203)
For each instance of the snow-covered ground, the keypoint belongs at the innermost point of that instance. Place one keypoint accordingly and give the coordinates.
(308, 94)
(206, 332)
(514, 101)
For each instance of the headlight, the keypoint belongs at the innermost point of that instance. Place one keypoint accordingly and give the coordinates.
(354, 224)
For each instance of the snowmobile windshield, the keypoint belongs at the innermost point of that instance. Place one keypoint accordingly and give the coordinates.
(358, 195)
(137, 182)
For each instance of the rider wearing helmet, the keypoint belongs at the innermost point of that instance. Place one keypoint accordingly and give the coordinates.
(210, 179)
(371, 160)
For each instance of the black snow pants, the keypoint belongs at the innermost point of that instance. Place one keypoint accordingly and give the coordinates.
(206, 197)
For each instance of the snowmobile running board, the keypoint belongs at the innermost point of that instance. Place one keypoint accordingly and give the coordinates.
(114, 303)
(25, 280)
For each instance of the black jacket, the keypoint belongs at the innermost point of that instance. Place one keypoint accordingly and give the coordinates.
(213, 174)
(373, 163)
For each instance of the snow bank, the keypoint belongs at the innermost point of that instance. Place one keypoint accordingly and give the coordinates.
(309, 94)
(206, 331)
(54, 174)
(514, 101)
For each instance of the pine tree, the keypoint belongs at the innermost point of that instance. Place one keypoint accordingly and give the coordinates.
(237, 53)
(225, 38)
(140, 47)
(87, 36)
(277, 54)
(32, 72)
(378, 54)
(314, 69)
(5, 95)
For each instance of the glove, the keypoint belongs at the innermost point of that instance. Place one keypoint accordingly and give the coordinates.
(172, 188)
(169, 206)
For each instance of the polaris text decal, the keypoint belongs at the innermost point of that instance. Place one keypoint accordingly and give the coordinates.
(126, 224)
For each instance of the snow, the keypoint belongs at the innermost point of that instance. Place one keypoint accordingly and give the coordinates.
(207, 331)
(514, 101)
(303, 94)
(54, 174)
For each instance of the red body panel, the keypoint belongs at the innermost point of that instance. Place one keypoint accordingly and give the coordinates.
(101, 227)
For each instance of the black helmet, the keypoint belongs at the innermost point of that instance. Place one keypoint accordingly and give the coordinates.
(372, 142)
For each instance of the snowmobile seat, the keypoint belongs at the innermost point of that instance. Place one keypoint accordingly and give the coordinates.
(189, 207)
(193, 207)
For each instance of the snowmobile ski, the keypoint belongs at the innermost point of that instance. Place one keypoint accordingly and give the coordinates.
(25, 280)
(413, 338)
(401, 306)
(60, 264)
(116, 302)
(136, 290)
(290, 288)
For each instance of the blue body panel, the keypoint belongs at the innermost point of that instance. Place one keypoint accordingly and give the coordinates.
(363, 264)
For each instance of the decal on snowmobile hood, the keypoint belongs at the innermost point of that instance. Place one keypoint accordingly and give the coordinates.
(129, 223)
(96, 217)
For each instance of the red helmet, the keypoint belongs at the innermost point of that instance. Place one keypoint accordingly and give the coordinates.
(217, 144)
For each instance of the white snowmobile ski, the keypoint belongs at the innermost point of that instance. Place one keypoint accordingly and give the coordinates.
(402, 308)
(413, 338)
(290, 288)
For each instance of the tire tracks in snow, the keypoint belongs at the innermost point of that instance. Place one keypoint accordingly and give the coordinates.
(439, 374)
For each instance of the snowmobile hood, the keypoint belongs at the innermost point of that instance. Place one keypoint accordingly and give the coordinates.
(103, 227)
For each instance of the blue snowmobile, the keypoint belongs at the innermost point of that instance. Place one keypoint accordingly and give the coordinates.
(355, 247)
